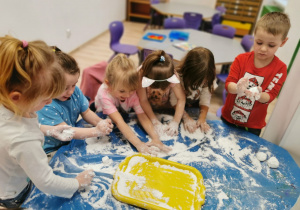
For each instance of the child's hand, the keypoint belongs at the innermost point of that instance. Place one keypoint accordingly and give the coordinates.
(204, 127)
(189, 124)
(61, 132)
(146, 149)
(242, 85)
(253, 93)
(158, 126)
(160, 145)
(104, 127)
(172, 129)
(85, 178)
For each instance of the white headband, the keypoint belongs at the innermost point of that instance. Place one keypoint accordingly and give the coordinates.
(146, 82)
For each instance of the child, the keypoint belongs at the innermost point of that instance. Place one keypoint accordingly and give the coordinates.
(29, 78)
(119, 90)
(66, 108)
(256, 78)
(197, 73)
(157, 80)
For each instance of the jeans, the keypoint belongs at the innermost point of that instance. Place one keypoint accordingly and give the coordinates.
(18, 200)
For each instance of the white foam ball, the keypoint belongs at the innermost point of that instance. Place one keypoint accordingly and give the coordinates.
(106, 160)
(273, 162)
(261, 156)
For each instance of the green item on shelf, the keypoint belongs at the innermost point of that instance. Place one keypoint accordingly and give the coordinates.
(269, 8)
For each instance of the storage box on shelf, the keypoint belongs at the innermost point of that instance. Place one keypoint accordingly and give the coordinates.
(241, 13)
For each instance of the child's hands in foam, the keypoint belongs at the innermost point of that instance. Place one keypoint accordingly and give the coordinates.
(61, 132)
(204, 127)
(253, 93)
(242, 85)
(104, 127)
(85, 178)
(147, 149)
(172, 129)
(189, 124)
(160, 145)
(158, 127)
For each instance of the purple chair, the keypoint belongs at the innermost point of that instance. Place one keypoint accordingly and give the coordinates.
(221, 9)
(208, 25)
(219, 111)
(174, 23)
(192, 20)
(216, 19)
(222, 77)
(116, 30)
(247, 42)
(224, 30)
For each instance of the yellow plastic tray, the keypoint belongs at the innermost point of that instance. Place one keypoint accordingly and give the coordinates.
(155, 183)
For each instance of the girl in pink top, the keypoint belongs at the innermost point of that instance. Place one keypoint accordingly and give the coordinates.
(118, 92)
(157, 81)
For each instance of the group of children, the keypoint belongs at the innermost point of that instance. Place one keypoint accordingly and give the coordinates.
(32, 74)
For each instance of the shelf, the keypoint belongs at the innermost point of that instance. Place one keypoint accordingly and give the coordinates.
(138, 9)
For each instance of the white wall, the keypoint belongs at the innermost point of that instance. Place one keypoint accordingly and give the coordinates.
(285, 53)
(48, 20)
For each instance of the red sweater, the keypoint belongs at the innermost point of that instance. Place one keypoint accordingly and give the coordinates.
(243, 111)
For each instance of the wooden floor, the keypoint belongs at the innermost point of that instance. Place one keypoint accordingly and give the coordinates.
(98, 49)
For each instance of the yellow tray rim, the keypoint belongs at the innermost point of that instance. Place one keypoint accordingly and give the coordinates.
(123, 165)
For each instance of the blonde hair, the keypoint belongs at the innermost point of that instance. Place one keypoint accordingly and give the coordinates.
(30, 69)
(274, 23)
(158, 66)
(121, 70)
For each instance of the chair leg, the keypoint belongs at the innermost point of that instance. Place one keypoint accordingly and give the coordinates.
(140, 56)
(224, 95)
(112, 57)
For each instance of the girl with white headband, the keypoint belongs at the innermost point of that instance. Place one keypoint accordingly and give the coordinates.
(157, 81)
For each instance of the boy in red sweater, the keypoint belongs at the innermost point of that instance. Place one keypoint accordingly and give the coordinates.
(256, 77)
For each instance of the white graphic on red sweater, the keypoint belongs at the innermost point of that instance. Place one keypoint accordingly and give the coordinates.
(244, 102)
(243, 105)
(239, 115)
(274, 81)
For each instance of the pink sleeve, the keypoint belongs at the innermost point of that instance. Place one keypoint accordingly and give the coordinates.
(108, 107)
(107, 102)
(135, 103)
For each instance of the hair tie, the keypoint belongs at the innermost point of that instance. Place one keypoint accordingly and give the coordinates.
(162, 58)
(25, 43)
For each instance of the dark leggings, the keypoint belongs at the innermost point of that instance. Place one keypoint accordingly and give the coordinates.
(13, 203)
(251, 130)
